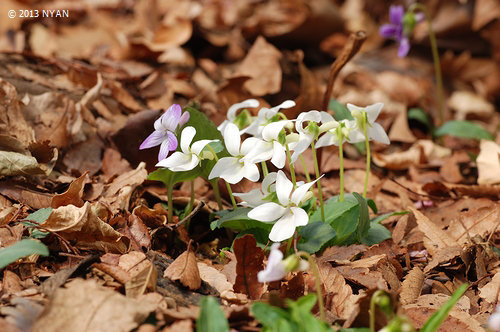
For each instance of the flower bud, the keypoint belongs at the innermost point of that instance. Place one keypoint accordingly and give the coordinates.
(328, 126)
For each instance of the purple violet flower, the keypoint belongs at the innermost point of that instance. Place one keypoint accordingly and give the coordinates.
(395, 30)
(164, 134)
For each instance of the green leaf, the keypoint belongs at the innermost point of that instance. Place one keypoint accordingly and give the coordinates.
(21, 249)
(39, 216)
(376, 234)
(205, 128)
(355, 329)
(419, 115)
(343, 217)
(260, 234)
(382, 217)
(439, 316)
(371, 203)
(364, 219)
(268, 315)
(170, 178)
(315, 235)
(301, 314)
(340, 110)
(464, 129)
(211, 317)
(229, 215)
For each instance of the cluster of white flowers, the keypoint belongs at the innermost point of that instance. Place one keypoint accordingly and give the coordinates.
(271, 135)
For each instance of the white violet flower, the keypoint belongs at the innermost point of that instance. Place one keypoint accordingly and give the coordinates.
(287, 213)
(334, 129)
(242, 119)
(233, 169)
(277, 267)
(375, 131)
(493, 320)
(256, 197)
(190, 156)
(310, 132)
(265, 116)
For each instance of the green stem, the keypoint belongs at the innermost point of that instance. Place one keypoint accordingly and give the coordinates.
(292, 168)
(373, 301)
(435, 57)
(215, 187)
(368, 156)
(264, 168)
(320, 192)
(341, 166)
(289, 244)
(304, 166)
(318, 282)
(170, 203)
(191, 201)
(230, 192)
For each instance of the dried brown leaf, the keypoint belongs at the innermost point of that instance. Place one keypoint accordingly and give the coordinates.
(491, 291)
(218, 280)
(185, 269)
(71, 196)
(411, 286)
(249, 261)
(488, 163)
(83, 305)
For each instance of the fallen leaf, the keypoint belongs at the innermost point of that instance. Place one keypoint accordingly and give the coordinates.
(490, 291)
(83, 305)
(249, 261)
(488, 163)
(262, 65)
(143, 278)
(411, 286)
(218, 280)
(465, 103)
(185, 269)
(71, 196)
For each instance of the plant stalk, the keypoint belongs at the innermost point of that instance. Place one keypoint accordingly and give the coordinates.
(320, 192)
(368, 156)
(318, 282)
(292, 168)
(264, 168)
(304, 166)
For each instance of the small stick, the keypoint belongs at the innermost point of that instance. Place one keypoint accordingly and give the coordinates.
(190, 215)
(356, 39)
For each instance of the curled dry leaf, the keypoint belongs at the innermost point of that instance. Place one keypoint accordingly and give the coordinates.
(411, 286)
(490, 291)
(249, 261)
(71, 196)
(185, 269)
(218, 280)
(83, 305)
(465, 103)
(488, 163)
(86, 228)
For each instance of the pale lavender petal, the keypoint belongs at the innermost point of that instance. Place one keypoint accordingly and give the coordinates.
(156, 138)
(169, 144)
(419, 17)
(184, 119)
(284, 228)
(388, 31)
(404, 47)
(170, 119)
(396, 14)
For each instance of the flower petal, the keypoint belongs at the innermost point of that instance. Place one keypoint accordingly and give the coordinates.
(252, 198)
(177, 159)
(326, 140)
(377, 133)
(187, 136)
(251, 172)
(232, 139)
(231, 112)
(304, 142)
(198, 146)
(156, 138)
(272, 130)
(170, 119)
(300, 191)
(184, 119)
(275, 268)
(279, 155)
(267, 212)
(301, 217)
(284, 228)
(373, 111)
(404, 47)
(388, 31)
(222, 166)
(262, 151)
(396, 14)
(283, 188)
(248, 145)
(268, 180)
(170, 144)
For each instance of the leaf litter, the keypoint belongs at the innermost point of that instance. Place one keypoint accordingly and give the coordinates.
(76, 107)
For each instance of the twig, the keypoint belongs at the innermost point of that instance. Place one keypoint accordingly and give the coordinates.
(190, 215)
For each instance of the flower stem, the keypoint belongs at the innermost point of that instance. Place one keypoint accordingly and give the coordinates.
(191, 201)
(368, 156)
(230, 192)
(170, 203)
(292, 168)
(215, 187)
(320, 192)
(318, 282)
(373, 301)
(304, 166)
(435, 57)
(264, 168)
(341, 165)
